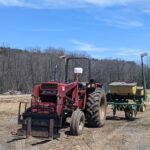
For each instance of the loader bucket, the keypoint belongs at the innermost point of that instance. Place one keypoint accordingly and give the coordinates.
(37, 125)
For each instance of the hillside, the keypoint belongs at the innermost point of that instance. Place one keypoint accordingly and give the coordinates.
(22, 69)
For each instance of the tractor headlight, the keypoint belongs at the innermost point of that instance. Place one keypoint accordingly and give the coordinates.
(93, 85)
(89, 86)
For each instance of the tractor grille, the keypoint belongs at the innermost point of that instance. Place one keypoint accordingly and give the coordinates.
(49, 86)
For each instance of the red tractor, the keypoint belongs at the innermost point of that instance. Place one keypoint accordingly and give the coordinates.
(53, 102)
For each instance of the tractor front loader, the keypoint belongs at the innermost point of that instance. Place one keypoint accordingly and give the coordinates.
(53, 102)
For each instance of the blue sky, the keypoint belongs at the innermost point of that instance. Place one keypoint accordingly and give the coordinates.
(101, 28)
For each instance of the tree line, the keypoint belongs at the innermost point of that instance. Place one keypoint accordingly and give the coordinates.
(21, 69)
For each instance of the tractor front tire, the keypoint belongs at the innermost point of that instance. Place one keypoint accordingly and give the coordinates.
(77, 122)
(96, 106)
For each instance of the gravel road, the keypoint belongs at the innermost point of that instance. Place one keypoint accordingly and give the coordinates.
(117, 134)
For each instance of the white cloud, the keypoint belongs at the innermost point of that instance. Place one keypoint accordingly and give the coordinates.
(20, 3)
(130, 52)
(122, 22)
(64, 3)
(109, 2)
(82, 46)
(134, 23)
(41, 29)
(10, 2)
(98, 56)
(146, 11)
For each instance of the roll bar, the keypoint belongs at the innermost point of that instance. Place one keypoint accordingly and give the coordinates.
(76, 58)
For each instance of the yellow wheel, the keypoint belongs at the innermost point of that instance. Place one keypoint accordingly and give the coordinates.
(143, 108)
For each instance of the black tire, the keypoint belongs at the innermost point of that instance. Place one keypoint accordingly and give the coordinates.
(129, 114)
(96, 106)
(77, 122)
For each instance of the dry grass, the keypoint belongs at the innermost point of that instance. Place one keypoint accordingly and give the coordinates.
(9, 104)
(15, 98)
(9, 108)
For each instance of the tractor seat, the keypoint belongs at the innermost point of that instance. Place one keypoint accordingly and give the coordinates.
(82, 85)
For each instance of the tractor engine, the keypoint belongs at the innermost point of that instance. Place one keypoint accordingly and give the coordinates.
(42, 119)
(44, 98)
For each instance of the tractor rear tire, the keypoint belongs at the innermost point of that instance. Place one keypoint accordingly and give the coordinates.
(96, 109)
(77, 122)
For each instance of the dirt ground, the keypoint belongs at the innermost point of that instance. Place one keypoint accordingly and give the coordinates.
(117, 134)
